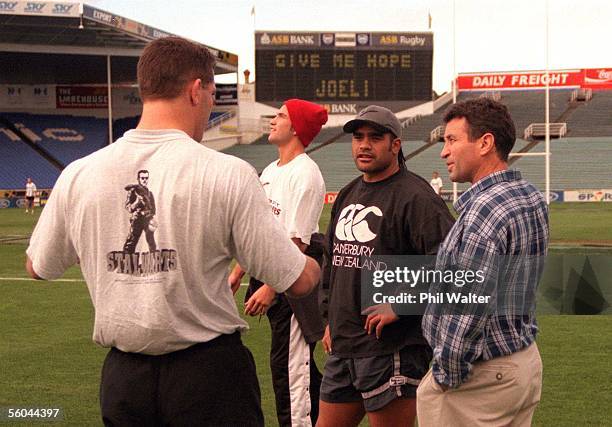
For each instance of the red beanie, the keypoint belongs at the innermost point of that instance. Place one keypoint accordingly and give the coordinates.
(306, 119)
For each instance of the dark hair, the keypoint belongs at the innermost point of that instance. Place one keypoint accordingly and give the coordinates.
(400, 158)
(168, 64)
(141, 171)
(485, 115)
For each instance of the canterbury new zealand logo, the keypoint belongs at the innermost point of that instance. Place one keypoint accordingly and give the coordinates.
(352, 225)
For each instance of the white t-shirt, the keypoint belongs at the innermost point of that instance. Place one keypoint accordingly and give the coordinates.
(296, 191)
(436, 184)
(209, 209)
(30, 189)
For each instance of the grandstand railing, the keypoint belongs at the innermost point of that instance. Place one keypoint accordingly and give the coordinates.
(582, 95)
(411, 120)
(437, 134)
(495, 95)
(538, 130)
(220, 119)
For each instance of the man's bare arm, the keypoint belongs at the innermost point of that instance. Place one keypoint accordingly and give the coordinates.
(262, 299)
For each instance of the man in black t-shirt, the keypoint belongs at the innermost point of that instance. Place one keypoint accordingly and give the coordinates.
(376, 360)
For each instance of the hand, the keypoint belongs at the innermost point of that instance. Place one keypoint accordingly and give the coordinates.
(260, 301)
(378, 317)
(326, 341)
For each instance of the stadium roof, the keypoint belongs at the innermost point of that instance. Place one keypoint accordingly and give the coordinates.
(50, 27)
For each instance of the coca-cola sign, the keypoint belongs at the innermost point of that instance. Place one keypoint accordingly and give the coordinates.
(598, 77)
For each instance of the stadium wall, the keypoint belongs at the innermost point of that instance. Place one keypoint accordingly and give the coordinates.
(76, 100)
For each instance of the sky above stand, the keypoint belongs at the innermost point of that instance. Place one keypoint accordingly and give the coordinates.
(469, 35)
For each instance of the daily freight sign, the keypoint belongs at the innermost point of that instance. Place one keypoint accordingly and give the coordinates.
(520, 80)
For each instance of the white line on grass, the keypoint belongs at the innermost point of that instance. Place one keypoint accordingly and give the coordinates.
(27, 279)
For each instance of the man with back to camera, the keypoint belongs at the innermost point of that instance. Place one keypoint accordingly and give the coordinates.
(375, 360)
(486, 368)
(169, 315)
(295, 188)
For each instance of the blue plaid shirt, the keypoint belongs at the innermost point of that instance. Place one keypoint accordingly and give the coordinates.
(501, 216)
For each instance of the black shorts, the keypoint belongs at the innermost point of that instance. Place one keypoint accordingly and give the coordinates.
(376, 380)
(208, 384)
(30, 198)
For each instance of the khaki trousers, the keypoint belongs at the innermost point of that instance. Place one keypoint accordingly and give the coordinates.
(500, 392)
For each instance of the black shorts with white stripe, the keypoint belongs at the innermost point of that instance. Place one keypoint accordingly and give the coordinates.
(377, 380)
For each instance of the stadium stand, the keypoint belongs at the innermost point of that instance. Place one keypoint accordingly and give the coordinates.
(421, 128)
(19, 161)
(593, 118)
(323, 136)
(258, 155)
(62, 108)
(527, 106)
(121, 126)
(336, 164)
(573, 164)
(67, 138)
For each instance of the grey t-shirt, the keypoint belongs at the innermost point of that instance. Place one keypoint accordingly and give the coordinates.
(158, 277)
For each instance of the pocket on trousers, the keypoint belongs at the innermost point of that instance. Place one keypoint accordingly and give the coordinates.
(491, 376)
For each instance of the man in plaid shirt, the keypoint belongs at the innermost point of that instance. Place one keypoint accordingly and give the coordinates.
(486, 368)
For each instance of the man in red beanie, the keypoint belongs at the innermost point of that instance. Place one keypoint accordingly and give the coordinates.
(296, 189)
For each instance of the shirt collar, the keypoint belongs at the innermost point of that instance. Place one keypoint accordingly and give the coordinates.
(486, 182)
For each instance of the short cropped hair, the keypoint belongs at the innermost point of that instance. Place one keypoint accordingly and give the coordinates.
(169, 63)
(485, 115)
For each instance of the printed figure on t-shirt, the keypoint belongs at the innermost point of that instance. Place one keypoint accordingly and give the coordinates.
(140, 204)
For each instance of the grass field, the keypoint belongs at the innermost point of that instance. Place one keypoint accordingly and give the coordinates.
(47, 357)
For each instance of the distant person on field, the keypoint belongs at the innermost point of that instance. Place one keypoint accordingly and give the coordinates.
(486, 367)
(30, 194)
(168, 314)
(436, 183)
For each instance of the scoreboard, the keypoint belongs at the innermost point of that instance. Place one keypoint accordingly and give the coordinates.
(343, 67)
